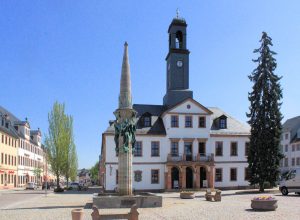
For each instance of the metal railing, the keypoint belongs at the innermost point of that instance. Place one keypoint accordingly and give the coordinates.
(188, 157)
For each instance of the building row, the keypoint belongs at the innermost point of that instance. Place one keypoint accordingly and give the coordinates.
(22, 156)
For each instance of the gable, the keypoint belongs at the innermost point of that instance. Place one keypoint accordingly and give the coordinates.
(189, 106)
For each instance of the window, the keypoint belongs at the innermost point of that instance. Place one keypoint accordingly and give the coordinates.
(202, 150)
(247, 148)
(154, 176)
(174, 148)
(234, 149)
(117, 176)
(247, 173)
(286, 162)
(293, 147)
(178, 40)
(286, 148)
(219, 175)
(188, 151)
(222, 123)
(154, 149)
(298, 147)
(174, 121)
(188, 121)
(138, 149)
(219, 148)
(286, 136)
(147, 121)
(138, 176)
(298, 161)
(202, 122)
(293, 161)
(233, 174)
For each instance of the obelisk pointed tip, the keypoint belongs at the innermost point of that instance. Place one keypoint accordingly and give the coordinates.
(125, 99)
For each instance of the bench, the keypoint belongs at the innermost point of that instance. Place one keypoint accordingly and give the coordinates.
(216, 196)
(132, 215)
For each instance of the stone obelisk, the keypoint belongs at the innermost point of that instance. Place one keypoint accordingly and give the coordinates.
(125, 129)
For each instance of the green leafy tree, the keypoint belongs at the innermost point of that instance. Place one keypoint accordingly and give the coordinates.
(71, 165)
(94, 172)
(57, 140)
(265, 117)
(37, 172)
(74, 164)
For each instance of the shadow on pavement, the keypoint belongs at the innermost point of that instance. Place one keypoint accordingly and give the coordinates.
(86, 206)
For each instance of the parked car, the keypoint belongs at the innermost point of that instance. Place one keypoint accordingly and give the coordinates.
(74, 185)
(31, 185)
(291, 182)
(44, 185)
(82, 186)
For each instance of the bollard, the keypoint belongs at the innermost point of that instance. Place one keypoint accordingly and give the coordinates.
(77, 214)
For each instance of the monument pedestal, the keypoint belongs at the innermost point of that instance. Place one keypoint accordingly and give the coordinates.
(142, 200)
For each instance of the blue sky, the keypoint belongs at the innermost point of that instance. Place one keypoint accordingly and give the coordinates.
(71, 51)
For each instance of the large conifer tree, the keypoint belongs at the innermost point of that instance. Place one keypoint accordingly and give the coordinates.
(264, 117)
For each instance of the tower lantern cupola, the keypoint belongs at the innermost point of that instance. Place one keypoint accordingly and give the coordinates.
(177, 34)
(177, 85)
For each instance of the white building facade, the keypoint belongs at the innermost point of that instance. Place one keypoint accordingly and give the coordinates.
(181, 144)
(290, 144)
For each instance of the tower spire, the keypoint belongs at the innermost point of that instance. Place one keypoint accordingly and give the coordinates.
(125, 99)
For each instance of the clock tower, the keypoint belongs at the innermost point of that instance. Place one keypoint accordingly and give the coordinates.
(177, 64)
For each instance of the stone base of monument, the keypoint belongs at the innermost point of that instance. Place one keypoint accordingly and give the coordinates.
(142, 200)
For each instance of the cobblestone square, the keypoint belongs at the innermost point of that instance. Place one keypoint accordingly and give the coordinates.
(234, 205)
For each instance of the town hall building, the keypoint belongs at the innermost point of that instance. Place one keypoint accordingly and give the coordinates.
(181, 143)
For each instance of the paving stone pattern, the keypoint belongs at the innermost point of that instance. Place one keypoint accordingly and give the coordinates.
(232, 206)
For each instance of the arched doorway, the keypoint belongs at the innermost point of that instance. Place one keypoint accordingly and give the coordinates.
(202, 176)
(189, 177)
(175, 177)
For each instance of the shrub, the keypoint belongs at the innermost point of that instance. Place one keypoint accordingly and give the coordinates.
(58, 190)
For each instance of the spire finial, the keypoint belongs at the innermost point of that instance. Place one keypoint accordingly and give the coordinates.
(177, 13)
(125, 99)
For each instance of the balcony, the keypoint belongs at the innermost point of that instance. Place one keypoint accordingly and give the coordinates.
(187, 158)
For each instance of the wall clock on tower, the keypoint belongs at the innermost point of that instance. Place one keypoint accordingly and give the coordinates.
(179, 63)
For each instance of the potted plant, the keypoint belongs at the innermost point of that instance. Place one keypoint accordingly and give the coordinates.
(264, 203)
(187, 195)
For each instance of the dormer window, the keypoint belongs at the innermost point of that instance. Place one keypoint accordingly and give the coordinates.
(147, 121)
(223, 123)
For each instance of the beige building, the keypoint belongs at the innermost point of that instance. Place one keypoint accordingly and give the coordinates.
(8, 153)
(25, 157)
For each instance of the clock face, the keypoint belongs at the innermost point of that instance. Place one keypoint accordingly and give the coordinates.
(179, 63)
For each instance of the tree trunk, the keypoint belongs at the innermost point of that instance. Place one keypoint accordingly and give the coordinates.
(261, 187)
(57, 181)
